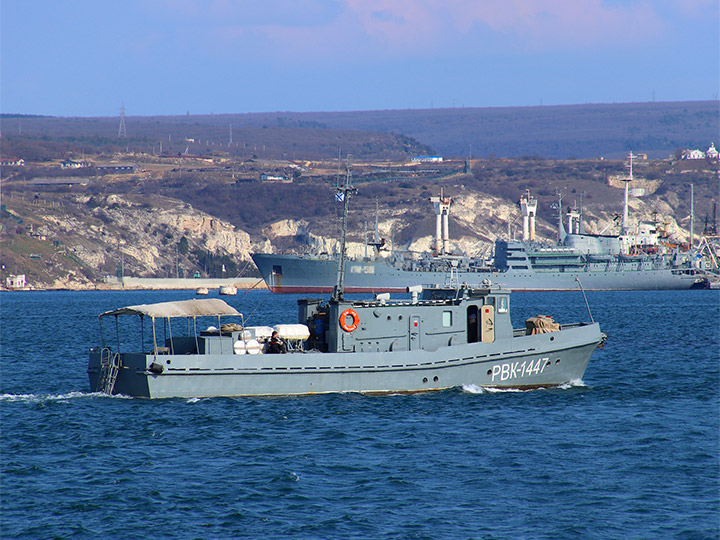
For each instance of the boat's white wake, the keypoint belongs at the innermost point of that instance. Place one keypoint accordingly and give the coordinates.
(574, 383)
(476, 389)
(196, 399)
(44, 398)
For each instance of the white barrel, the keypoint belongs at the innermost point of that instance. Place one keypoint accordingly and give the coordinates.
(239, 347)
(253, 347)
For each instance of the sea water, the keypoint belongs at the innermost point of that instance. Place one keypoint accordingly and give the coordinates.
(629, 452)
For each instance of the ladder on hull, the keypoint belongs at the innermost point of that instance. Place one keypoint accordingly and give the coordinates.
(109, 369)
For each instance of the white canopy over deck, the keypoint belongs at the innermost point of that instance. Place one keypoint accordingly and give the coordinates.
(188, 309)
(207, 307)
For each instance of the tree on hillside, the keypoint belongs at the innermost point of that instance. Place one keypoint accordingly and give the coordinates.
(183, 246)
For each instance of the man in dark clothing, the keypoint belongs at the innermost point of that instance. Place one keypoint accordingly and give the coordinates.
(275, 345)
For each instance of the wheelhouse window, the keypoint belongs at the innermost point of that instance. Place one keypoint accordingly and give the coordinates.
(502, 304)
(439, 294)
(447, 319)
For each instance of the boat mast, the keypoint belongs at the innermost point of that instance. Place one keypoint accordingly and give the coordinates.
(562, 233)
(625, 219)
(376, 243)
(377, 237)
(692, 215)
(342, 194)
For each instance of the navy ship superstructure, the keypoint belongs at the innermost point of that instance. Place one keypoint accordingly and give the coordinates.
(634, 259)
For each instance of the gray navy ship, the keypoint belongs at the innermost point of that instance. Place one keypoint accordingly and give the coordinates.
(635, 259)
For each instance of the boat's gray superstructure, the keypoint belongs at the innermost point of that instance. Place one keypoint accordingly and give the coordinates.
(447, 337)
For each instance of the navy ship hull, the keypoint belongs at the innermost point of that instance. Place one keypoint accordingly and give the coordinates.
(296, 274)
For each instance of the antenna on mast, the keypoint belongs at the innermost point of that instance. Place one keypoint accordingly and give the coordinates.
(692, 215)
(625, 219)
(342, 194)
(378, 244)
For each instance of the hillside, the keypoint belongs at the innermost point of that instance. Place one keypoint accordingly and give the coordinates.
(196, 194)
(560, 132)
(183, 216)
(557, 132)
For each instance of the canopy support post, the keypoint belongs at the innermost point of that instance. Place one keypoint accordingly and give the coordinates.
(197, 345)
(172, 347)
(154, 339)
(117, 332)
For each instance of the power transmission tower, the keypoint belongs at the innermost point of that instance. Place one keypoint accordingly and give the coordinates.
(121, 129)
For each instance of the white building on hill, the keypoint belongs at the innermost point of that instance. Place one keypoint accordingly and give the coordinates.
(711, 152)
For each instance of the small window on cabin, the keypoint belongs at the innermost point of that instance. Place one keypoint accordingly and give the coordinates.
(490, 301)
(473, 329)
(502, 304)
(447, 319)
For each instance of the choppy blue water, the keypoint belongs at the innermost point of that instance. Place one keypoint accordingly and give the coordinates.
(631, 454)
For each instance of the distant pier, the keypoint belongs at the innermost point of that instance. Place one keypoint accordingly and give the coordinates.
(189, 283)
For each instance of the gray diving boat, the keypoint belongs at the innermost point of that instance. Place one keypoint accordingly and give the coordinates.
(442, 338)
(439, 338)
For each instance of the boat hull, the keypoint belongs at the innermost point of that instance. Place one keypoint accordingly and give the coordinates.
(533, 361)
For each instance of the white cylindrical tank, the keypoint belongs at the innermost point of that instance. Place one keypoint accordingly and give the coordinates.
(438, 234)
(528, 207)
(446, 234)
(253, 347)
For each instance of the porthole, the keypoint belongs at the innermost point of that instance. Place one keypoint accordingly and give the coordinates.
(167, 362)
(489, 372)
(435, 378)
(557, 361)
(552, 338)
(424, 379)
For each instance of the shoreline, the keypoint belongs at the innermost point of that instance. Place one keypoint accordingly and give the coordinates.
(149, 284)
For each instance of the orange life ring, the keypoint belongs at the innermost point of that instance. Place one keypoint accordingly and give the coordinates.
(355, 320)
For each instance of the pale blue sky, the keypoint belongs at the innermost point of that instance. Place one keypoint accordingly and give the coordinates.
(86, 57)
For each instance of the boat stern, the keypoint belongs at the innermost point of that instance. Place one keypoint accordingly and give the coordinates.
(114, 373)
